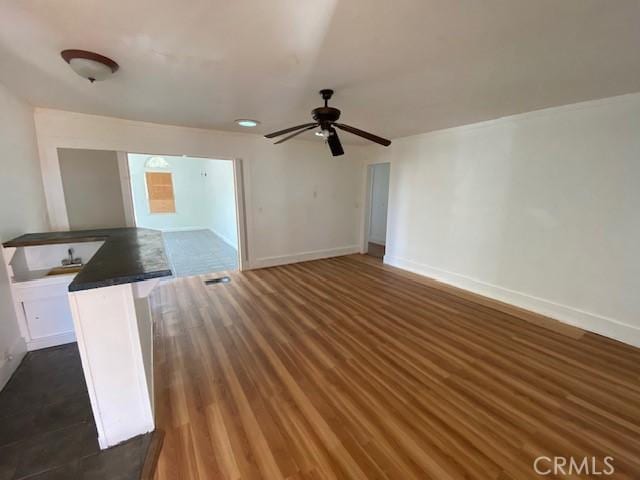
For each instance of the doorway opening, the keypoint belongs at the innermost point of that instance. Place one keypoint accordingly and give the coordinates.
(376, 224)
(192, 200)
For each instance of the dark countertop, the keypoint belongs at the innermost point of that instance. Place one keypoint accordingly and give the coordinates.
(128, 255)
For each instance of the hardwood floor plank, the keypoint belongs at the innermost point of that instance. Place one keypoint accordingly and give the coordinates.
(346, 368)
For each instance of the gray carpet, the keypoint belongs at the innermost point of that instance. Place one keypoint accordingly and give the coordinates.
(197, 252)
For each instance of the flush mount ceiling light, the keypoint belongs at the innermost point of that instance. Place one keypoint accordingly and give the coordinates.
(247, 122)
(89, 65)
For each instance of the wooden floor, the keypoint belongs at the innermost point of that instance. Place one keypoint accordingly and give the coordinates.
(343, 368)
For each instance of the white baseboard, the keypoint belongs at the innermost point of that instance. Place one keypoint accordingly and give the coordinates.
(179, 229)
(224, 239)
(51, 341)
(17, 351)
(607, 327)
(303, 256)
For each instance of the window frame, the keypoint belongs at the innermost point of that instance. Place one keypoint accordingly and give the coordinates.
(149, 199)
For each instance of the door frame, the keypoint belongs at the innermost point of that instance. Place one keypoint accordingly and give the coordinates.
(238, 190)
(367, 202)
(125, 186)
(57, 209)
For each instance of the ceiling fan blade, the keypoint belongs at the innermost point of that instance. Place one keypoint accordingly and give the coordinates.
(294, 134)
(334, 143)
(287, 130)
(363, 134)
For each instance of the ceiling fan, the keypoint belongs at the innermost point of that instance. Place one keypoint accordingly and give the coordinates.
(326, 118)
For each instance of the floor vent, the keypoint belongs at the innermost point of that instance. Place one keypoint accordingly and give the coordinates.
(217, 280)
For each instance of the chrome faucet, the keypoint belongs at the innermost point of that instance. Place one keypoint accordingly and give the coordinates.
(70, 260)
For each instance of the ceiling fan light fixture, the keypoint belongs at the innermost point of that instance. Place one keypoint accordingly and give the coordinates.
(247, 122)
(326, 118)
(90, 65)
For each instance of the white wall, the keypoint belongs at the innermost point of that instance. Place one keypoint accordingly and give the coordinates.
(188, 190)
(221, 200)
(203, 192)
(22, 209)
(379, 203)
(92, 190)
(301, 203)
(539, 210)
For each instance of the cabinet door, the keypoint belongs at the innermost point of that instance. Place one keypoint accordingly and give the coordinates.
(48, 316)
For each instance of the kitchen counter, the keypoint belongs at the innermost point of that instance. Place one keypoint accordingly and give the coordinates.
(113, 326)
(128, 255)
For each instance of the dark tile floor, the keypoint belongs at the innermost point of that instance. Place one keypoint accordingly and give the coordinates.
(47, 429)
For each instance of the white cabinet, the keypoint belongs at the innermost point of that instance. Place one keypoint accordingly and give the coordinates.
(47, 315)
(42, 301)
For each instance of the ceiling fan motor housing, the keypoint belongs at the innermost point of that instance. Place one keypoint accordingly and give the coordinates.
(325, 116)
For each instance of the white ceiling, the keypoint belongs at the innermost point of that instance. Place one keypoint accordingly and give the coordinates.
(398, 67)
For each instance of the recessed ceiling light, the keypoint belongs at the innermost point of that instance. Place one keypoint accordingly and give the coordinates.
(247, 122)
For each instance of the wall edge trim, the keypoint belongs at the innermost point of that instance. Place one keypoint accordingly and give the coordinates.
(607, 327)
(265, 262)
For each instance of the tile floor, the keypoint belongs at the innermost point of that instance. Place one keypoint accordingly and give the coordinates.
(196, 252)
(47, 430)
